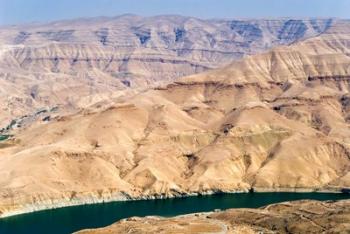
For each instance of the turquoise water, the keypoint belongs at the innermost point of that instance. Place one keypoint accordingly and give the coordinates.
(70, 219)
(4, 137)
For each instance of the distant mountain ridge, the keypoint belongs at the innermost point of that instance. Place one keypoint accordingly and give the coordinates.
(76, 62)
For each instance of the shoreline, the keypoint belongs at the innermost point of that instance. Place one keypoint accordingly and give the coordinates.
(120, 197)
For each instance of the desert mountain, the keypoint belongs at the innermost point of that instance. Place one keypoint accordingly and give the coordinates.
(275, 121)
(288, 217)
(74, 63)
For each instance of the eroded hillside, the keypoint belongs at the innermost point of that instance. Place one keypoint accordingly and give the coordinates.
(276, 121)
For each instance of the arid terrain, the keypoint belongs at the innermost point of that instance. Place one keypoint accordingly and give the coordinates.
(74, 63)
(288, 217)
(275, 121)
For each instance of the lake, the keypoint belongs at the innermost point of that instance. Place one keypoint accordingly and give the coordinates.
(70, 219)
(4, 137)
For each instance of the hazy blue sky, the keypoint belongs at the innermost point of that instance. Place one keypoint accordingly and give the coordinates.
(23, 11)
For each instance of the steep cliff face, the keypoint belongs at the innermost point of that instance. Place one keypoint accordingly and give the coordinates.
(69, 62)
(273, 121)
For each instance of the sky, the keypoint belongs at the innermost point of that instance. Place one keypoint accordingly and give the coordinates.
(28, 11)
